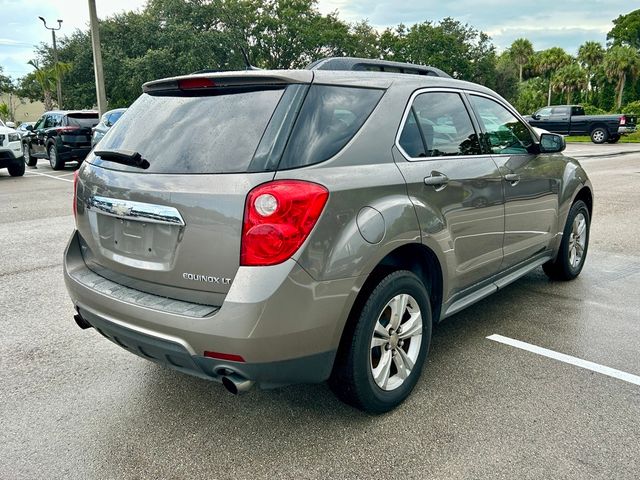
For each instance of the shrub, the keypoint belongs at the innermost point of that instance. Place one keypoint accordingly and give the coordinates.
(632, 108)
(592, 110)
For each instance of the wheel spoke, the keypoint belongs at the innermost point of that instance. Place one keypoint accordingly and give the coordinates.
(581, 227)
(378, 342)
(381, 331)
(398, 306)
(412, 327)
(403, 363)
(381, 372)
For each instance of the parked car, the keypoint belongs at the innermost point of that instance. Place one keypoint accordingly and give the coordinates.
(23, 128)
(106, 122)
(571, 120)
(60, 137)
(313, 225)
(10, 151)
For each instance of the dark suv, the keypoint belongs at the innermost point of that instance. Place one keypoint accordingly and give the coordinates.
(276, 227)
(60, 136)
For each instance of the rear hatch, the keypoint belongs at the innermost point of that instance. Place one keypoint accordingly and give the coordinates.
(77, 129)
(174, 228)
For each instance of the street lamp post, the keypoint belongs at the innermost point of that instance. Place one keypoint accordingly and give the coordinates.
(55, 57)
(97, 58)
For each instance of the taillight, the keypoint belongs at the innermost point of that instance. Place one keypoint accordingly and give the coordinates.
(623, 120)
(278, 217)
(75, 193)
(197, 82)
(67, 129)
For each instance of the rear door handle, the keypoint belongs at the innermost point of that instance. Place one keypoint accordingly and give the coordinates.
(437, 179)
(514, 178)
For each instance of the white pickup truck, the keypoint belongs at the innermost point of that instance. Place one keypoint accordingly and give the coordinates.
(11, 156)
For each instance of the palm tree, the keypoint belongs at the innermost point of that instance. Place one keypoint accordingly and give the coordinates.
(521, 51)
(47, 78)
(590, 55)
(569, 78)
(548, 61)
(620, 62)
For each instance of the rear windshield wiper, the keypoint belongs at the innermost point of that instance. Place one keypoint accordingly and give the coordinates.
(125, 157)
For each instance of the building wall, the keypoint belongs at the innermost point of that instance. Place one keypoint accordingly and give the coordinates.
(25, 110)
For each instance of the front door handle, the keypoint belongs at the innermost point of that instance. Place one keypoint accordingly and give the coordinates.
(437, 179)
(514, 178)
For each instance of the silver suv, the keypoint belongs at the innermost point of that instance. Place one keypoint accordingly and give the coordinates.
(278, 227)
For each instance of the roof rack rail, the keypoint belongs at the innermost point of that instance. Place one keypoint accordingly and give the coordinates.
(371, 65)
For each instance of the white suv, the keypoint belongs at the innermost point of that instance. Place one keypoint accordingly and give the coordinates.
(11, 156)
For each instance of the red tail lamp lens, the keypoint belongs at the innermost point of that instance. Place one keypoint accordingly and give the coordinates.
(191, 83)
(75, 193)
(224, 356)
(278, 218)
(623, 120)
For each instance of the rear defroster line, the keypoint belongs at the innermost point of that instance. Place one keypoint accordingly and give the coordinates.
(578, 362)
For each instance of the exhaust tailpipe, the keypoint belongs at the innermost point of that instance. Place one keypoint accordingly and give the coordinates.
(236, 384)
(82, 323)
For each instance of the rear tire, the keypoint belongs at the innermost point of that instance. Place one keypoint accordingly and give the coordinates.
(613, 139)
(378, 366)
(17, 169)
(599, 135)
(28, 159)
(54, 161)
(573, 248)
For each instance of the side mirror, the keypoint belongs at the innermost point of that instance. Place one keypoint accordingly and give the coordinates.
(552, 143)
(535, 116)
(29, 128)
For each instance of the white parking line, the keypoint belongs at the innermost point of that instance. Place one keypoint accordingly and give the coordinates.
(50, 176)
(578, 362)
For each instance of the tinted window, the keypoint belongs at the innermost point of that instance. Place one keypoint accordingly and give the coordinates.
(443, 124)
(50, 121)
(328, 119)
(113, 118)
(545, 112)
(194, 134)
(560, 110)
(504, 132)
(82, 119)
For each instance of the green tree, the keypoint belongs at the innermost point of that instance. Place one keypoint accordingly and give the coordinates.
(6, 84)
(548, 61)
(590, 55)
(569, 78)
(47, 80)
(626, 30)
(521, 51)
(531, 95)
(506, 77)
(621, 62)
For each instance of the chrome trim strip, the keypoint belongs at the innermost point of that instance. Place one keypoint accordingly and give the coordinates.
(136, 211)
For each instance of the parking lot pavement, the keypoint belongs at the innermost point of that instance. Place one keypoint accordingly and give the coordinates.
(76, 406)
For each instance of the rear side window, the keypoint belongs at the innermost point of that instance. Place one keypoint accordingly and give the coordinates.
(440, 121)
(328, 119)
(82, 119)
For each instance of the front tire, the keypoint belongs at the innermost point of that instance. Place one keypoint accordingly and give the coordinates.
(599, 135)
(17, 169)
(28, 159)
(54, 161)
(573, 248)
(380, 363)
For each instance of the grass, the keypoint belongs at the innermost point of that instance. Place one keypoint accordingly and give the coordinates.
(631, 138)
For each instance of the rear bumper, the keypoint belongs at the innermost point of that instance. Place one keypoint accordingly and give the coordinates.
(285, 325)
(68, 153)
(624, 130)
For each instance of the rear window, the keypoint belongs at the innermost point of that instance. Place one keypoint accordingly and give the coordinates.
(193, 134)
(82, 119)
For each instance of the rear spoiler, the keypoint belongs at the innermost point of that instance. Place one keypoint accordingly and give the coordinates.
(248, 78)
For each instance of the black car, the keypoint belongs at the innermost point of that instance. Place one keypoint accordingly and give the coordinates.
(106, 122)
(60, 136)
(571, 120)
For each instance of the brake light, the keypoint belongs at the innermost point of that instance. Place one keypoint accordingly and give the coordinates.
(199, 82)
(75, 193)
(224, 356)
(67, 129)
(278, 217)
(623, 120)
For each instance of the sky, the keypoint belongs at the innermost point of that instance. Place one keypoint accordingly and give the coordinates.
(547, 23)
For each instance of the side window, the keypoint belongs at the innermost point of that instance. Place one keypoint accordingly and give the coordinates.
(439, 125)
(544, 112)
(40, 123)
(560, 110)
(57, 120)
(49, 121)
(504, 132)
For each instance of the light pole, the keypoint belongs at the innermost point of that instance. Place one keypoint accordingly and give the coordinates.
(55, 57)
(97, 58)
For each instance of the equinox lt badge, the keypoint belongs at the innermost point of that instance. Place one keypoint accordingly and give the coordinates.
(196, 277)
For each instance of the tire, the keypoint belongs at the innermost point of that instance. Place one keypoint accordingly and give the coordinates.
(28, 159)
(613, 139)
(567, 265)
(358, 360)
(16, 169)
(599, 135)
(54, 161)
